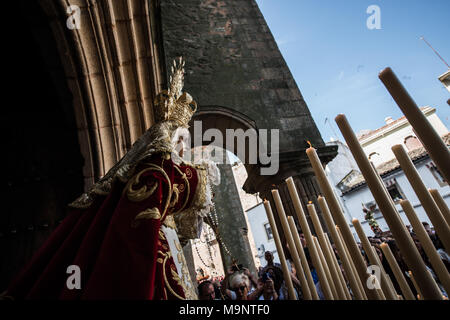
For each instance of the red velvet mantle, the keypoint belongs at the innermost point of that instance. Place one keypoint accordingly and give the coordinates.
(117, 260)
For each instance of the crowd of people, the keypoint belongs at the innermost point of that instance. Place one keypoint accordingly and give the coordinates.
(269, 283)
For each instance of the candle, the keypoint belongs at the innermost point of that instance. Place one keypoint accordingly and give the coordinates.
(392, 217)
(326, 268)
(384, 276)
(359, 282)
(427, 244)
(391, 285)
(290, 241)
(338, 269)
(352, 276)
(372, 259)
(304, 261)
(338, 216)
(430, 207)
(441, 204)
(419, 295)
(309, 240)
(336, 287)
(428, 136)
(276, 237)
(406, 290)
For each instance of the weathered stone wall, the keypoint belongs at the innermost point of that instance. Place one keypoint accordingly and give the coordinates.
(233, 61)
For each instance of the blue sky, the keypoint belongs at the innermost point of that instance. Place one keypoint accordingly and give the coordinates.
(335, 59)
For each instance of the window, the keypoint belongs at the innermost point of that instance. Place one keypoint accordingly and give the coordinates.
(437, 174)
(268, 231)
(394, 190)
(374, 156)
(395, 193)
(412, 143)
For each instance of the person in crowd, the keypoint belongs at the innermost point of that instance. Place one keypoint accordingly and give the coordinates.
(266, 289)
(270, 262)
(206, 291)
(240, 286)
(428, 229)
(237, 285)
(253, 280)
(217, 291)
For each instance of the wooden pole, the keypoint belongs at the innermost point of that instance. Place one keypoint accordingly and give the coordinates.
(406, 290)
(291, 243)
(441, 204)
(339, 218)
(390, 213)
(276, 237)
(336, 287)
(430, 207)
(304, 261)
(351, 274)
(430, 139)
(338, 269)
(427, 244)
(309, 239)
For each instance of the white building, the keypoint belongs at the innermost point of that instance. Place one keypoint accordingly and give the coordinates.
(262, 233)
(351, 187)
(377, 143)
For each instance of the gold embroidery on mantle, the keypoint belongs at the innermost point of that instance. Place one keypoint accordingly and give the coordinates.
(142, 193)
(151, 213)
(175, 195)
(188, 188)
(166, 281)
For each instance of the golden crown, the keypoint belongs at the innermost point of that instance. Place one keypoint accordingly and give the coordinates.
(174, 104)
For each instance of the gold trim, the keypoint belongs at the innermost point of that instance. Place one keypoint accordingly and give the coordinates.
(150, 213)
(188, 187)
(176, 192)
(167, 281)
(141, 193)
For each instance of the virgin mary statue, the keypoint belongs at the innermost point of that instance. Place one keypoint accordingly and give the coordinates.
(121, 239)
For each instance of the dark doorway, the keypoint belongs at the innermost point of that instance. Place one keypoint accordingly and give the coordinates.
(43, 168)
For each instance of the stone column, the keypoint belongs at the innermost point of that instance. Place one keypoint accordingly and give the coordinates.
(232, 224)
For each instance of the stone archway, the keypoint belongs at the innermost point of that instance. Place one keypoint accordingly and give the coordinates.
(232, 221)
(113, 69)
